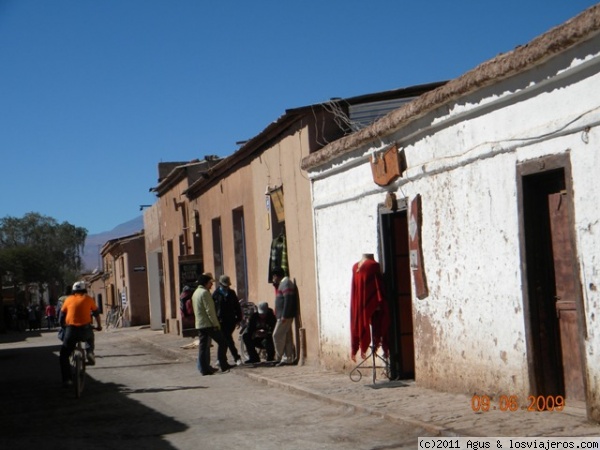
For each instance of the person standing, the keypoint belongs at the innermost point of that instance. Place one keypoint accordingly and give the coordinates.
(76, 315)
(229, 313)
(185, 301)
(188, 321)
(50, 316)
(38, 317)
(32, 317)
(208, 326)
(286, 306)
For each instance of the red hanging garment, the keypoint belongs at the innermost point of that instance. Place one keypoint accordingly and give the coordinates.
(369, 312)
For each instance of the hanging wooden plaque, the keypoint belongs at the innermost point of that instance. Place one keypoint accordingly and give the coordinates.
(387, 166)
(277, 201)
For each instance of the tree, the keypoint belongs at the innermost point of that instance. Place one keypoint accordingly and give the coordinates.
(38, 249)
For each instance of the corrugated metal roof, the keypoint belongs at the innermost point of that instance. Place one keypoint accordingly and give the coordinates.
(365, 114)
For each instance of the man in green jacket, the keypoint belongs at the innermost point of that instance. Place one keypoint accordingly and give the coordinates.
(208, 326)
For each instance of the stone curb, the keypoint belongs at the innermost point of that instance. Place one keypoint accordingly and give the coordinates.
(394, 418)
(451, 423)
(432, 428)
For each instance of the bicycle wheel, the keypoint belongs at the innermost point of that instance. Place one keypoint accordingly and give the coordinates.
(79, 369)
(108, 318)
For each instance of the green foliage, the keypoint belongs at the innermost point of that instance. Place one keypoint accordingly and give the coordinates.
(37, 248)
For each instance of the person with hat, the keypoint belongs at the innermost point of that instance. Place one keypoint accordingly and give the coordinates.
(229, 313)
(208, 326)
(259, 334)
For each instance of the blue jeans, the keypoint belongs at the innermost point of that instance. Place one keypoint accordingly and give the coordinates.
(206, 334)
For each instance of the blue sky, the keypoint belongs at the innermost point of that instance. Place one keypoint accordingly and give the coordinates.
(95, 93)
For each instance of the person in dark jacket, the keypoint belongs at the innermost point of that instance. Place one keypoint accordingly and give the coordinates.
(229, 313)
(259, 334)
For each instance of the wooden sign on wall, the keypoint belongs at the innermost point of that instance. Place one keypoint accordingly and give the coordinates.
(416, 249)
(387, 166)
(277, 201)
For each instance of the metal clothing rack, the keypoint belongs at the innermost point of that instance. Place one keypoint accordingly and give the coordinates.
(372, 361)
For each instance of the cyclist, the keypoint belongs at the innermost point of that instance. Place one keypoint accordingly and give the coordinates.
(76, 316)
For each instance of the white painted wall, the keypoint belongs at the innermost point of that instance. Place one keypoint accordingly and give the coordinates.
(153, 255)
(345, 232)
(470, 330)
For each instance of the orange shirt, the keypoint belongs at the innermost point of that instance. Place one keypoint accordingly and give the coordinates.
(78, 308)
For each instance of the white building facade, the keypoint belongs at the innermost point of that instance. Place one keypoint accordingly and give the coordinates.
(491, 254)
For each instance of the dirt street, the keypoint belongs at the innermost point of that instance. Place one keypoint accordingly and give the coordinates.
(139, 397)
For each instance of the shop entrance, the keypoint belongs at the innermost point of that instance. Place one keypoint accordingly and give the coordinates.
(396, 268)
(553, 296)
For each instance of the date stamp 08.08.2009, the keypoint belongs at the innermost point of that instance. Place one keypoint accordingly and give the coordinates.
(512, 403)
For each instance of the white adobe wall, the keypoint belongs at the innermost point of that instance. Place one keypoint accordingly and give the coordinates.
(470, 330)
(344, 232)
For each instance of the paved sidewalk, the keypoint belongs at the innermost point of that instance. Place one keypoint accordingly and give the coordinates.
(438, 412)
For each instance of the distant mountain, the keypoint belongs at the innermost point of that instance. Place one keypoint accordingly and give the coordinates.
(94, 242)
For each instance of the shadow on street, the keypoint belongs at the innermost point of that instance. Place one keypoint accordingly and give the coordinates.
(35, 410)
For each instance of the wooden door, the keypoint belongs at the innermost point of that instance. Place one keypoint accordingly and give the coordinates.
(566, 304)
(399, 292)
(403, 297)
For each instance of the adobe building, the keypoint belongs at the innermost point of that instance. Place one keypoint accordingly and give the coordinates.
(125, 281)
(173, 247)
(96, 288)
(480, 201)
(252, 211)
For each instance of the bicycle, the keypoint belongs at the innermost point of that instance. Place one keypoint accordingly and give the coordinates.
(114, 317)
(78, 363)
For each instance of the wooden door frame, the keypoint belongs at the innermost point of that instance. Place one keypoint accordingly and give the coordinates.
(384, 252)
(538, 167)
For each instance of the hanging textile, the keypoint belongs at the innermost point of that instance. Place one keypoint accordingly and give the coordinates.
(278, 257)
(369, 312)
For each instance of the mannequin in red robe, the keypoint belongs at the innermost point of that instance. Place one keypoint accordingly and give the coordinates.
(369, 311)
